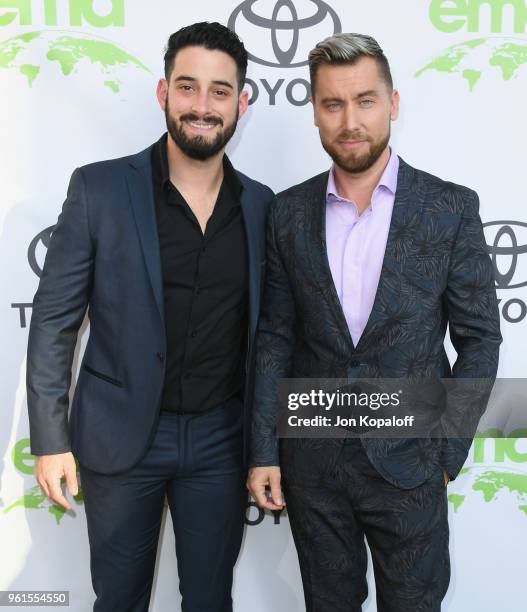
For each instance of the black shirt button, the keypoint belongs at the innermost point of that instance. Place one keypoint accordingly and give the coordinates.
(193, 334)
(161, 357)
(198, 291)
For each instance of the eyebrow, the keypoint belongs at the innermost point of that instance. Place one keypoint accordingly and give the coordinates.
(331, 99)
(362, 94)
(184, 77)
(369, 92)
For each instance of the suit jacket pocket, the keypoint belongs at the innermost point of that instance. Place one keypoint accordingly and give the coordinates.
(102, 376)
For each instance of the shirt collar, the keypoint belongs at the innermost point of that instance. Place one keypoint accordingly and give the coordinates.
(162, 159)
(230, 176)
(387, 180)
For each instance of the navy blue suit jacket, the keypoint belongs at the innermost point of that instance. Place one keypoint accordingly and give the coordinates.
(104, 256)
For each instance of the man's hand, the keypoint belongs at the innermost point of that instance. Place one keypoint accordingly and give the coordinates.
(49, 469)
(258, 478)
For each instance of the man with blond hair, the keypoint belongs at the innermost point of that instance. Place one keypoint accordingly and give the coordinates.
(367, 264)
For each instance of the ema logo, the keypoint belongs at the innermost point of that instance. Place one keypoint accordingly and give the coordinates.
(492, 475)
(285, 18)
(491, 57)
(452, 15)
(287, 33)
(510, 270)
(80, 12)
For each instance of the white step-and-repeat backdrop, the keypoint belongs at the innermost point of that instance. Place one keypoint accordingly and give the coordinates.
(77, 84)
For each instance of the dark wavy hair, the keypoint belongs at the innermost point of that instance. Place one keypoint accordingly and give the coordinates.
(213, 36)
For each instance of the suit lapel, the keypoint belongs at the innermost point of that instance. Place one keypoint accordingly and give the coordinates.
(252, 233)
(315, 228)
(141, 191)
(406, 215)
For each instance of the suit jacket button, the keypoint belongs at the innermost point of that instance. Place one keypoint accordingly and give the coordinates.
(161, 357)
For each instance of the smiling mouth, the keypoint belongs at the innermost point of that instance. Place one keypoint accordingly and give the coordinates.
(201, 126)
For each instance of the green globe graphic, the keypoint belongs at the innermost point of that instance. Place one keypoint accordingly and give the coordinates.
(34, 499)
(32, 53)
(471, 59)
(489, 483)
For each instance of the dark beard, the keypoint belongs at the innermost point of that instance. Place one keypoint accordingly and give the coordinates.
(198, 147)
(351, 163)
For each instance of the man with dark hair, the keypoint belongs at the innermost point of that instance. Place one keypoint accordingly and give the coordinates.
(367, 264)
(212, 36)
(166, 249)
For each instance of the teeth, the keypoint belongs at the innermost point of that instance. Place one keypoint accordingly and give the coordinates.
(201, 126)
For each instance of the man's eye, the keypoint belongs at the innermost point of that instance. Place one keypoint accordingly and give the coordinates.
(333, 106)
(220, 92)
(185, 87)
(366, 103)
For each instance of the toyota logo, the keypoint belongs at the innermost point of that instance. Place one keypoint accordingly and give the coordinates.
(36, 253)
(285, 18)
(505, 250)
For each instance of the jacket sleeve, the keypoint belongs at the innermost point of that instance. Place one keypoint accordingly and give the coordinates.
(274, 348)
(474, 325)
(59, 307)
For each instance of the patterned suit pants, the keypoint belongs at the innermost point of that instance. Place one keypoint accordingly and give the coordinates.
(335, 506)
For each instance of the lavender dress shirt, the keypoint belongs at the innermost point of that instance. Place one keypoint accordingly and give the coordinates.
(356, 245)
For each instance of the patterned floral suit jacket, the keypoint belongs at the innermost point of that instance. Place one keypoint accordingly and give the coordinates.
(436, 271)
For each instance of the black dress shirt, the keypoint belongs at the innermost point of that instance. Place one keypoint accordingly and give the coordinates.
(205, 285)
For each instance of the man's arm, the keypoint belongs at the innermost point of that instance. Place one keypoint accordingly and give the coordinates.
(474, 324)
(59, 307)
(274, 349)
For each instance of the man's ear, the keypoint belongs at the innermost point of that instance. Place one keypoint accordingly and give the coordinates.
(396, 99)
(314, 113)
(243, 102)
(161, 93)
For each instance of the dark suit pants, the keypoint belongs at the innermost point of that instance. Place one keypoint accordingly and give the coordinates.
(334, 505)
(195, 461)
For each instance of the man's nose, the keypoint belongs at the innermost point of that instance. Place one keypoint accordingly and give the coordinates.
(350, 118)
(200, 103)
